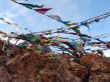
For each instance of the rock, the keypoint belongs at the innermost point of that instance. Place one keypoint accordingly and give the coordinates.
(4, 75)
(18, 78)
(35, 66)
(79, 71)
(99, 68)
(99, 77)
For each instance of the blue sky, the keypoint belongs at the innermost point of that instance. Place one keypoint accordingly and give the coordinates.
(72, 10)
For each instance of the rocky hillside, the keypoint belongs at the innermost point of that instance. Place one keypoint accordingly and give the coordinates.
(23, 65)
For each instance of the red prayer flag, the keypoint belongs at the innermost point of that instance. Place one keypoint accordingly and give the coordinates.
(42, 10)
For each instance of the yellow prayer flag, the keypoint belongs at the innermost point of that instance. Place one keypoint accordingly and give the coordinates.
(56, 37)
(94, 45)
(72, 24)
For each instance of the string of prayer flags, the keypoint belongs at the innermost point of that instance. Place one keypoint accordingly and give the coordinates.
(42, 10)
(10, 22)
(78, 33)
(55, 17)
(30, 6)
(74, 47)
(74, 26)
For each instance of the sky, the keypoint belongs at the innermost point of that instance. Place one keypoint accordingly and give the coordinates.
(70, 10)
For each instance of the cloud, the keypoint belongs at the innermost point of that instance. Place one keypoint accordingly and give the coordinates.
(107, 53)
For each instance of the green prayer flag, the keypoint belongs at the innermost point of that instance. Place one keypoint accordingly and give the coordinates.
(76, 30)
(34, 39)
(38, 49)
(47, 41)
(31, 6)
